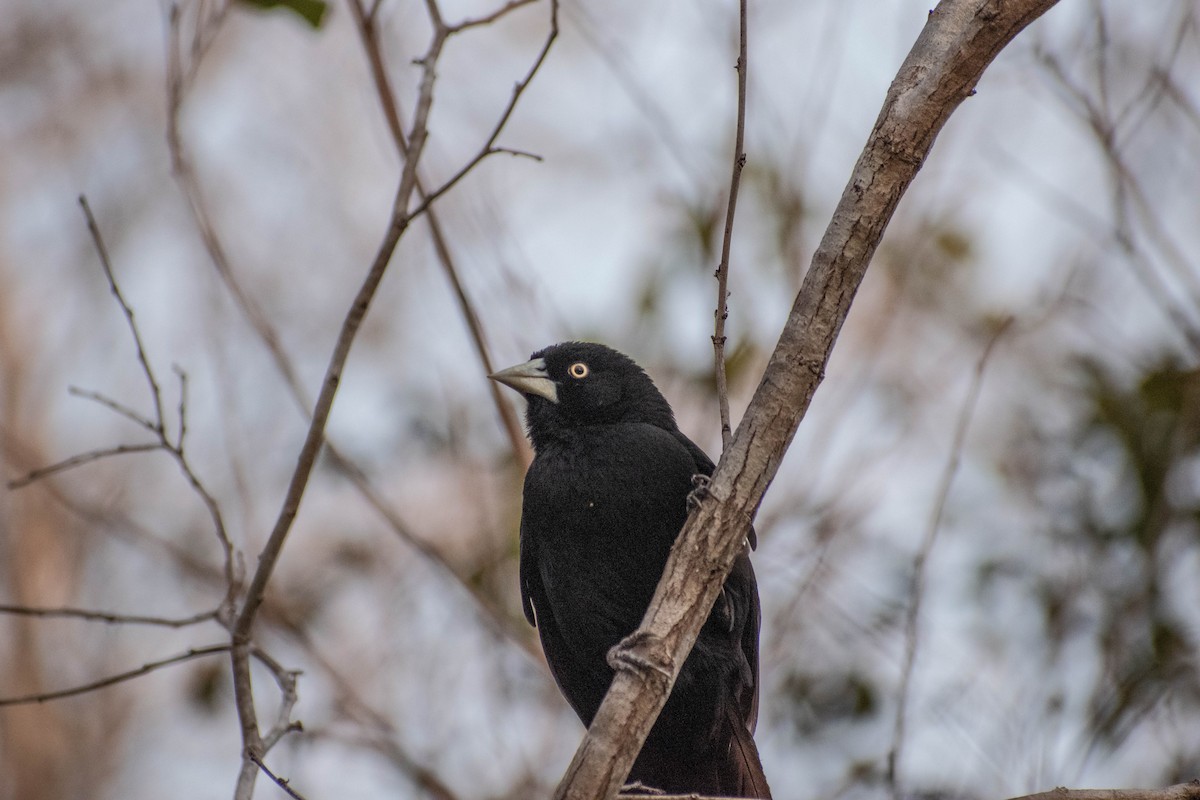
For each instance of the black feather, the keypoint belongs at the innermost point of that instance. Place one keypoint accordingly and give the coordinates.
(605, 498)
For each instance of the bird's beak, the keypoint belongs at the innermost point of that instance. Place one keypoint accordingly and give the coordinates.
(529, 378)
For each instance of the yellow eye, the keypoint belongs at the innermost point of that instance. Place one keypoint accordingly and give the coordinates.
(578, 370)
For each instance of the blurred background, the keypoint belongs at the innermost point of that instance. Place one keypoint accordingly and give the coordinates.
(1008, 433)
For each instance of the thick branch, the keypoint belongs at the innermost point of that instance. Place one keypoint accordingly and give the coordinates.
(1180, 791)
(960, 39)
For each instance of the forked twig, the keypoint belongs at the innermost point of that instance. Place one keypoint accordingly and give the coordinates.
(489, 147)
(102, 251)
(368, 33)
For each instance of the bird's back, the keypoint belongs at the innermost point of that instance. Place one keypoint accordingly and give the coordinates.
(602, 507)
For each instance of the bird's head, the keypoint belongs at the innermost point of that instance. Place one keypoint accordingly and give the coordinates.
(579, 383)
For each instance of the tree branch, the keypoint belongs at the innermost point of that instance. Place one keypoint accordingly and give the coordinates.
(151, 666)
(108, 616)
(1180, 791)
(960, 39)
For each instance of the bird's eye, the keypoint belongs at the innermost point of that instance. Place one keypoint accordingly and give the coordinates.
(578, 370)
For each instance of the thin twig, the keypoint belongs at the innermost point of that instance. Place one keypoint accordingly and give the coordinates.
(282, 783)
(722, 273)
(145, 669)
(115, 406)
(81, 459)
(108, 616)
(183, 387)
(917, 585)
(488, 19)
(1129, 199)
(106, 264)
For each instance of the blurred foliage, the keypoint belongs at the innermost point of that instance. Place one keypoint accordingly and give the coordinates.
(1146, 637)
(815, 701)
(311, 11)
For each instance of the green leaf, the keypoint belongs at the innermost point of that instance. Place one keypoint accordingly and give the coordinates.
(311, 11)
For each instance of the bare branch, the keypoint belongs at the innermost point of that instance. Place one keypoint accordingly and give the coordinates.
(917, 586)
(282, 783)
(391, 113)
(488, 19)
(489, 147)
(735, 180)
(102, 251)
(959, 40)
(1181, 791)
(81, 459)
(115, 406)
(145, 669)
(108, 616)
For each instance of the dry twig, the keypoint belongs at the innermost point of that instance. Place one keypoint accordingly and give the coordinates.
(111, 680)
(722, 274)
(108, 616)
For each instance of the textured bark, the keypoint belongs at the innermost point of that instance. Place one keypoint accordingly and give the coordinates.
(1180, 791)
(960, 39)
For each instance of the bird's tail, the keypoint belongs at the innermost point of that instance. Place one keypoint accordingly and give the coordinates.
(744, 772)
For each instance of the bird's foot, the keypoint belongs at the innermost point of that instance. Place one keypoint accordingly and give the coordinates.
(700, 484)
(640, 652)
(637, 787)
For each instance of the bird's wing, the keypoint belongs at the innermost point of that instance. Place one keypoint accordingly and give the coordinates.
(741, 590)
(741, 581)
(531, 579)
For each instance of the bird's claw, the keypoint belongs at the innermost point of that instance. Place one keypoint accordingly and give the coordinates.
(637, 651)
(637, 787)
(700, 484)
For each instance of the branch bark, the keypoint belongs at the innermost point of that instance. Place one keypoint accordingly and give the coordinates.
(960, 39)
(1180, 791)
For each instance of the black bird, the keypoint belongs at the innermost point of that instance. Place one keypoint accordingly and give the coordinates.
(604, 499)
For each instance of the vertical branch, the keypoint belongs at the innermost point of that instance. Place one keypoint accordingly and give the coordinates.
(722, 273)
(917, 586)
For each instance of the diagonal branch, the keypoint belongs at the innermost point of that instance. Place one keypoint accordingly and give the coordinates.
(111, 680)
(958, 42)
